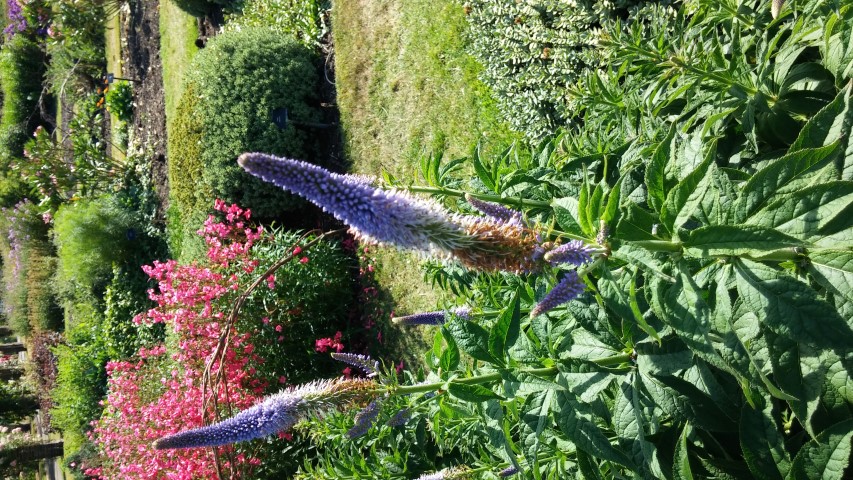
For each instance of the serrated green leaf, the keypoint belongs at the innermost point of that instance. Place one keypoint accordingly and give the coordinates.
(471, 393)
(482, 172)
(581, 430)
(685, 310)
(632, 426)
(764, 184)
(565, 211)
(716, 240)
(685, 402)
(493, 414)
(587, 346)
(833, 270)
(825, 457)
(787, 359)
(812, 212)
(471, 338)
(763, 443)
(636, 224)
(583, 210)
(668, 358)
(505, 331)
(790, 308)
(681, 463)
(596, 201)
(585, 385)
(611, 210)
(655, 171)
(642, 258)
(535, 418)
(449, 359)
(832, 124)
(679, 195)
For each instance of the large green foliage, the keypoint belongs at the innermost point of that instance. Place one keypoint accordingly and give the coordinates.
(240, 78)
(714, 170)
(21, 71)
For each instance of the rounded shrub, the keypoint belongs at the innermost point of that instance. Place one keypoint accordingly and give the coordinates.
(240, 79)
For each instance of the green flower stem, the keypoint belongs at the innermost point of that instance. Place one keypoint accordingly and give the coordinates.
(493, 377)
(510, 201)
(476, 380)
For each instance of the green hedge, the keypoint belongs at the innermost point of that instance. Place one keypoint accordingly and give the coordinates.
(21, 72)
(534, 51)
(240, 78)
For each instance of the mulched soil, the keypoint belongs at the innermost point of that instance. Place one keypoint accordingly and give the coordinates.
(142, 63)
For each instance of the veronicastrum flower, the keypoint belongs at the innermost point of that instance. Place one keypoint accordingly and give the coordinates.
(369, 366)
(364, 420)
(495, 210)
(575, 252)
(445, 474)
(567, 290)
(508, 472)
(277, 413)
(402, 219)
(433, 318)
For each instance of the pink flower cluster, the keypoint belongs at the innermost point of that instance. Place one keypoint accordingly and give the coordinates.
(158, 395)
(323, 345)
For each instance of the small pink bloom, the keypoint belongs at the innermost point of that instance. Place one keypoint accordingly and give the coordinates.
(303, 260)
(297, 251)
(278, 328)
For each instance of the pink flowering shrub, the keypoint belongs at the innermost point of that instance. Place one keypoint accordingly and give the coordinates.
(161, 390)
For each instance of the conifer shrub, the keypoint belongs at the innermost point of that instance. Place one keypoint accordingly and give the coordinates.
(240, 78)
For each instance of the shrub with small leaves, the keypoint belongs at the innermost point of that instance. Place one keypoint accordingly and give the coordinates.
(119, 100)
(241, 77)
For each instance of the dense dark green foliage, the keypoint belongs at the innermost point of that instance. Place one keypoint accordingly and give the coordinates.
(241, 77)
(21, 71)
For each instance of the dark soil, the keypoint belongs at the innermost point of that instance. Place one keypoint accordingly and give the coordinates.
(142, 64)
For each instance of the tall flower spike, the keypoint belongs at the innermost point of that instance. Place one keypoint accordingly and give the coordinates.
(568, 289)
(445, 474)
(364, 363)
(364, 420)
(400, 418)
(575, 252)
(495, 210)
(401, 219)
(432, 318)
(276, 413)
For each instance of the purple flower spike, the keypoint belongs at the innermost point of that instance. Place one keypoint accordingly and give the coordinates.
(404, 220)
(274, 414)
(568, 289)
(433, 318)
(508, 472)
(364, 420)
(400, 418)
(575, 252)
(495, 210)
(364, 363)
(378, 215)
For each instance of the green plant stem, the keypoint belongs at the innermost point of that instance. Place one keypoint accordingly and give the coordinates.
(476, 380)
(511, 201)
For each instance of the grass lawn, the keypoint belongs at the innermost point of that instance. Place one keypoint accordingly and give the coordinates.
(112, 34)
(406, 87)
(178, 32)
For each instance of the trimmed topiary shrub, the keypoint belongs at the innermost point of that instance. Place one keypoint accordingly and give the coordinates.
(240, 78)
(21, 71)
(534, 51)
